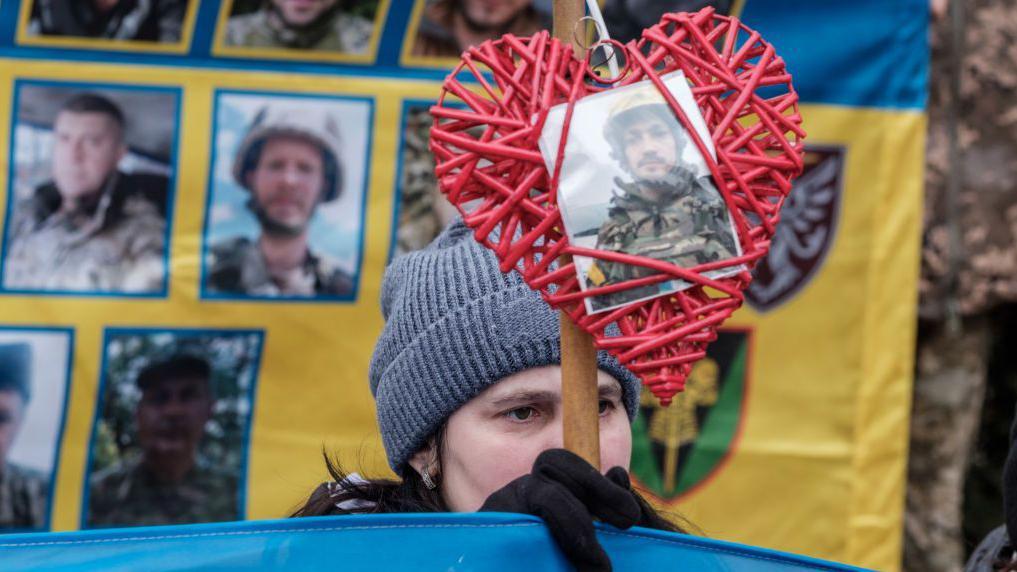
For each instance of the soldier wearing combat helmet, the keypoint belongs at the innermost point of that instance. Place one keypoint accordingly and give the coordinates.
(668, 212)
(289, 162)
(23, 491)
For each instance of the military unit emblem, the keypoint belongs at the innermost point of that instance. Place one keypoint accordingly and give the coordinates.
(805, 233)
(677, 448)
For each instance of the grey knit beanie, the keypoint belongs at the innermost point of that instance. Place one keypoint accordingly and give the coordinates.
(455, 325)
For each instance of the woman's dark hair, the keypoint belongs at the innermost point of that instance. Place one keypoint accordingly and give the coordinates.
(346, 495)
(664, 520)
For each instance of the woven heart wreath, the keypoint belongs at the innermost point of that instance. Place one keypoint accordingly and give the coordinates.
(489, 118)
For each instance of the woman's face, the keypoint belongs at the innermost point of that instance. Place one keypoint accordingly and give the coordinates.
(497, 435)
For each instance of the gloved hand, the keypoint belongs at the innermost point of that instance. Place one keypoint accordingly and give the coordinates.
(567, 492)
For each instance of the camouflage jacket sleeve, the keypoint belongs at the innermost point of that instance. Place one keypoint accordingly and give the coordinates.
(23, 498)
(614, 232)
(715, 218)
(614, 235)
(144, 261)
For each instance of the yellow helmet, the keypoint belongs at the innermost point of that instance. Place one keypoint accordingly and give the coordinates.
(645, 99)
(646, 95)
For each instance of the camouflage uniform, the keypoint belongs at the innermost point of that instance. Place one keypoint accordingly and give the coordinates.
(237, 267)
(436, 40)
(687, 225)
(126, 494)
(150, 21)
(23, 498)
(423, 210)
(116, 245)
(332, 32)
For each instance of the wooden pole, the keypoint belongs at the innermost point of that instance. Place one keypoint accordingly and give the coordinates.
(580, 398)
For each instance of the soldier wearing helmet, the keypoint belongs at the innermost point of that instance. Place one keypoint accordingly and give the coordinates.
(667, 212)
(289, 162)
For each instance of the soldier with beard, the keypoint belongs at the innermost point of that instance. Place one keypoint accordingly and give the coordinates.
(667, 212)
(319, 25)
(448, 27)
(289, 162)
(169, 482)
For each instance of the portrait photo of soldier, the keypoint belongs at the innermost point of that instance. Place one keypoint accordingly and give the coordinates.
(90, 190)
(156, 21)
(33, 386)
(170, 444)
(286, 216)
(448, 27)
(660, 202)
(327, 26)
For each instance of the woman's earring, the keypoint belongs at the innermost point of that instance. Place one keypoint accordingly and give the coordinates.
(428, 481)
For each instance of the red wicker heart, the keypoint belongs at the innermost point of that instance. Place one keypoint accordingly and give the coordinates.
(489, 118)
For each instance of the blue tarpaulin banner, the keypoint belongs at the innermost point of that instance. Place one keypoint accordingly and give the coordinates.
(460, 542)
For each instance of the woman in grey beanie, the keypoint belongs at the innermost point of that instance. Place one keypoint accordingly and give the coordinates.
(466, 378)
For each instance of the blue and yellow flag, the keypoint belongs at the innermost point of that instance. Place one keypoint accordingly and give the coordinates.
(142, 239)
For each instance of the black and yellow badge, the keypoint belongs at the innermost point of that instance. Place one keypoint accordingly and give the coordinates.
(678, 448)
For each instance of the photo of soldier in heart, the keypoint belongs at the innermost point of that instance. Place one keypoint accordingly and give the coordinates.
(633, 182)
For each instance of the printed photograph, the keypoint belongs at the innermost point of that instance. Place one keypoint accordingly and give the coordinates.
(308, 26)
(90, 189)
(288, 180)
(423, 210)
(34, 373)
(170, 440)
(446, 28)
(118, 21)
(633, 182)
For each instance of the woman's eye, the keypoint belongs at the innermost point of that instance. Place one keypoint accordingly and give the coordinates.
(520, 413)
(606, 405)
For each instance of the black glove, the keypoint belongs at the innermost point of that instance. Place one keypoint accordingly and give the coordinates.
(567, 492)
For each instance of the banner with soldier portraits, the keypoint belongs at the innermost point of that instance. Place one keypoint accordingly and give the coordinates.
(200, 199)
